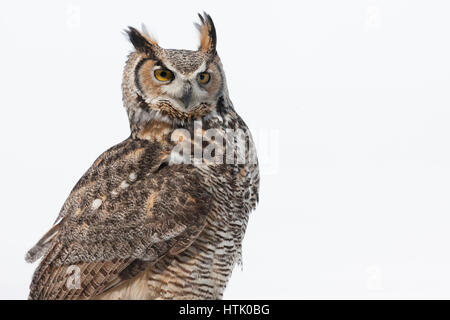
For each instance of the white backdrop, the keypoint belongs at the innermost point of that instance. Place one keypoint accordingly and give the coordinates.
(349, 102)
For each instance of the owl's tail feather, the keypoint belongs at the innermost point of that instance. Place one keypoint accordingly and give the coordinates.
(42, 246)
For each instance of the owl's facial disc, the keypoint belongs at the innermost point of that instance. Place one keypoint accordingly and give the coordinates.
(162, 83)
(188, 91)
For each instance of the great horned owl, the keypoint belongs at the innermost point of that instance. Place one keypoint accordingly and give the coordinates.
(162, 214)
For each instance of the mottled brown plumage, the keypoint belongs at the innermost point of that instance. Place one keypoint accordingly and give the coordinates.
(141, 225)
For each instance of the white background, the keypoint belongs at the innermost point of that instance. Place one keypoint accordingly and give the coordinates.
(349, 102)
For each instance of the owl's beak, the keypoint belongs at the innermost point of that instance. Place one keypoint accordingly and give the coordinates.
(186, 98)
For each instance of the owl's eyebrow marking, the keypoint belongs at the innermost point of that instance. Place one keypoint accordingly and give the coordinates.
(159, 63)
(204, 67)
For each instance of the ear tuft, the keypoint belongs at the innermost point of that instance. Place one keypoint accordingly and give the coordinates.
(208, 38)
(141, 40)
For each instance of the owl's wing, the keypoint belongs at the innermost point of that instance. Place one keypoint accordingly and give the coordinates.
(126, 212)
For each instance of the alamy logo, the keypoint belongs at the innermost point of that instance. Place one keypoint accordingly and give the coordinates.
(213, 145)
(74, 279)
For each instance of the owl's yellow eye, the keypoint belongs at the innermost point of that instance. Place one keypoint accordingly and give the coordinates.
(163, 75)
(204, 77)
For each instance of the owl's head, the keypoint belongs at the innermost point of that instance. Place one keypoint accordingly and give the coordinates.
(173, 85)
